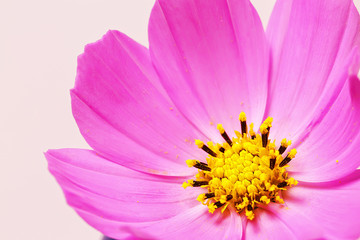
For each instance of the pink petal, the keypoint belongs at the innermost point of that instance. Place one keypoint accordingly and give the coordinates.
(116, 146)
(311, 44)
(302, 226)
(212, 57)
(332, 145)
(126, 204)
(123, 112)
(274, 221)
(194, 223)
(105, 189)
(334, 209)
(267, 226)
(237, 226)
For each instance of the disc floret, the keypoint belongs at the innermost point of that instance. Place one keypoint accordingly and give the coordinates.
(244, 172)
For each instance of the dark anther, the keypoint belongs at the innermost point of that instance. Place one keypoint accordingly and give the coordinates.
(229, 197)
(285, 161)
(243, 127)
(200, 183)
(249, 207)
(264, 138)
(209, 195)
(202, 163)
(222, 149)
(219, 204)
(227, 139)
(272, 163)
(282, 184)
(282, 149)
(202, 166)
(253, 137)
(208, 150)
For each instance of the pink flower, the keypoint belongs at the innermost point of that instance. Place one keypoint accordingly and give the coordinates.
(141, 110)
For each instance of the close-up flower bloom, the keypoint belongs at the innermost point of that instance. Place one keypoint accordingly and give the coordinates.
(220, 129)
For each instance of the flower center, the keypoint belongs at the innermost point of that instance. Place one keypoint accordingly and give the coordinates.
(243, 172)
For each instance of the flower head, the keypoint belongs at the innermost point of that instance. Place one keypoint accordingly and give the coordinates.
(150, 114)
(243, 172)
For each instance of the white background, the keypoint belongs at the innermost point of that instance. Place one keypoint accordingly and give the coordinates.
(39, 44)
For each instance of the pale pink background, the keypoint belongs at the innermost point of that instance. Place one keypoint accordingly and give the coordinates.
(39, 43)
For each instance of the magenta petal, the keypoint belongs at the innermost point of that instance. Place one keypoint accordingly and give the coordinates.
(123, 112)
(105, 189)
(335, 209)
(212, 57)
(330, 150)
(267, 225)
(311, 43)
(116, 146)
(126, 204)
(194, 223)
(237, 227)
(301, 225)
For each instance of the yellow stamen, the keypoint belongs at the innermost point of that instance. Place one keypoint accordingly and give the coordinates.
(220, 128)
(191, 163)
(212, 207)
(264, 128)
(285, 143)
(199, 143)
(189, 183)
(250, 214)
(201, 197)
(242, 117)
(292, 153)
(252, 133)
(244, 172)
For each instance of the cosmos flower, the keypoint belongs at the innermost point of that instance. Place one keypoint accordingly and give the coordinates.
(260, 128)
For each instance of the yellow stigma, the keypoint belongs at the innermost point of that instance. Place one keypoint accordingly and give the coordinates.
(264, 128)
(292, 153)
(199, 143)
(252, 133)
(220, 128)
(242, 117)
(245, 171)
(285, 143)
(191, 162)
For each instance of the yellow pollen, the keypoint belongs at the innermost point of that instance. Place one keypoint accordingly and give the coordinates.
(220, 128)
(292, 153)
(264, 128)
(242, 117)
(190, 162)
(199, 143)
(244, 172)
(252, 133)
(285, 143)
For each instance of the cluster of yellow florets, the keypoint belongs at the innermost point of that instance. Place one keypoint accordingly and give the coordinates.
(243, 171)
